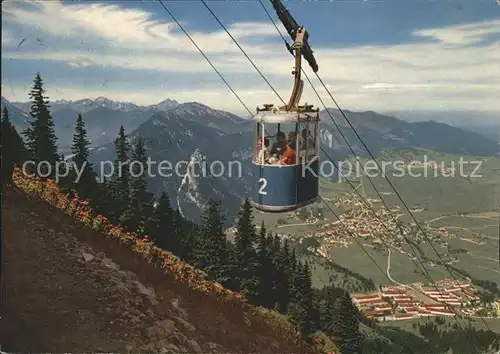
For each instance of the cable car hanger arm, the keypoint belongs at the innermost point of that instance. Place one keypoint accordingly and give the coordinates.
(298, 84)
(293, 28)
(300, 47)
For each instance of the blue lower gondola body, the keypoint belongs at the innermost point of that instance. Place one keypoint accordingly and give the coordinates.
(283, 188)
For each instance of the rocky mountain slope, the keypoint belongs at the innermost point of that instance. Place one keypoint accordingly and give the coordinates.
(204, 158)
(379, 132)
(104, 117)
(68, 288)
(185, 134)
(190, 132)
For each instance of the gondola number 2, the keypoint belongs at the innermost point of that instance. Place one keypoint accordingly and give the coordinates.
(263, 184)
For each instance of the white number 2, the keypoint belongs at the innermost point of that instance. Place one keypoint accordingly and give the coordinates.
(263, 184)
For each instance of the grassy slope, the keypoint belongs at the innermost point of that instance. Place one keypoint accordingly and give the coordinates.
(43, 288)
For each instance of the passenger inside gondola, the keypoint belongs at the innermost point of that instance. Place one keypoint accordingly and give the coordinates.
(293, 137)
(290, 155)
(280, 145)
(274, 159)
(263, 155)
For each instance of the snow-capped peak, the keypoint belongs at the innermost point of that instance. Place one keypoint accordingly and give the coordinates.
(166, 104)
(88, 103)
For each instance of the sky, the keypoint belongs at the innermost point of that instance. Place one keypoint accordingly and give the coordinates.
(372, 55)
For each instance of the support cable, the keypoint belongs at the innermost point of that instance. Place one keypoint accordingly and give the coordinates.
(227, 84)
(425, 272)
(378, 166)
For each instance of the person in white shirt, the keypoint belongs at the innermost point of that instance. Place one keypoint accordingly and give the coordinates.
(263, 155)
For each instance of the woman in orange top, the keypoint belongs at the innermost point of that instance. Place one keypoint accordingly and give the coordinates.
(289, 156)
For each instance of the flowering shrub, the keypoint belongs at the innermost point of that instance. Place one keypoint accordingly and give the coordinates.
(102, 224)
(49, 191)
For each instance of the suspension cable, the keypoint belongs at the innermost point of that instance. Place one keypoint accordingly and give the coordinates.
(425, 272)
(402, 232)
(227, 84)
(206, 58)
(269, 84)
(378, 166)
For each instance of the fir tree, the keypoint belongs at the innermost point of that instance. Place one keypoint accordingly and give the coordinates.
(213, 254)
(104, 202)
(40, 135)
(345, 326)
(302, 307)
(245, 256)
(12, 148)
(265, 269)
(121, 178)
(284, 278)
(160, 224)
(326, 308)
(277, 277)
(245, 235)
(140, 200)
(86, 185)
(80, 147)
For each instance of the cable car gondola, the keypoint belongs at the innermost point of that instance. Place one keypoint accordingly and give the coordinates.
(286, 138)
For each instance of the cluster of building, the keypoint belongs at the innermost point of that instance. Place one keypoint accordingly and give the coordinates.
(431, 164)
(453, 293)
(358, 220)
(405, 302)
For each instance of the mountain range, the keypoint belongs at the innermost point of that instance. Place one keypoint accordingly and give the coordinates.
(484, 123)
(198, 135)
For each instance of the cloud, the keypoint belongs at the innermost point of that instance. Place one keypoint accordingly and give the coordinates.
(445, 68)
(463, 34)
(126, 29)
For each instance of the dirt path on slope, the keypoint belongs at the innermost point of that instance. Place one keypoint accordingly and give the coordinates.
(69, 289)
(58, 295)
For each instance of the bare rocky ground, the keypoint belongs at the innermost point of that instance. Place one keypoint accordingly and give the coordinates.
(66, 288)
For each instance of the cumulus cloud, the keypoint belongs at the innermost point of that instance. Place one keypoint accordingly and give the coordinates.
(463, 34)
(448, 69)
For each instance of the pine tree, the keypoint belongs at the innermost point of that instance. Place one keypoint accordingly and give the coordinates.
(121, 176)
(277, 277)
(295, 284)
(40, 135)
(104, 202)
(12, 148)
(245, 256)
(326, 300)
(80, 147)
(284, 278)
(303, 311)
(140, 205)
(345, 331)
(246, 234)
(265, 269)
(86, 185)
(160, 224)
(213, 255)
